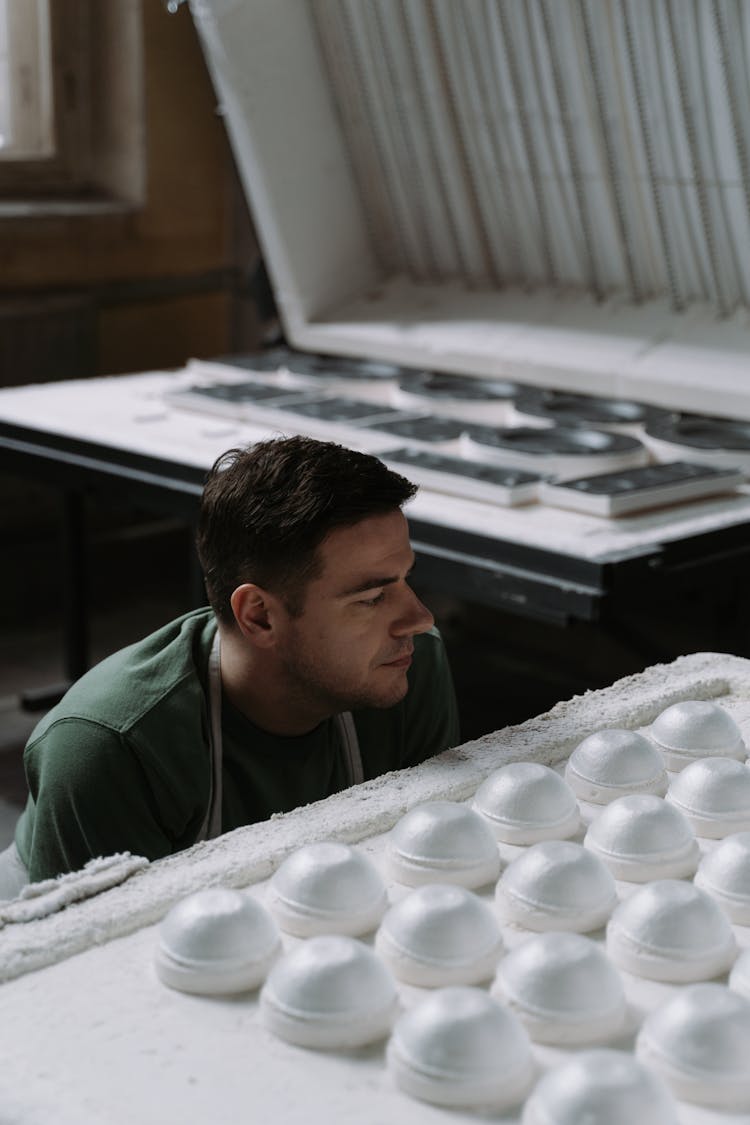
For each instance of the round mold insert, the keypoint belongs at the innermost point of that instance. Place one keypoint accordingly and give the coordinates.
(670, 930)
(563, 988)
(458, 1047)
(602, 1087)
(714, 795)
(699, 1043)
(613, 763)
(725, 874)
(332, 991)
(326, 888)
(442, 842)
(696, 728)
(526, 802)
(216, 941)
(440, 934)
(556, 885)
(641, 838)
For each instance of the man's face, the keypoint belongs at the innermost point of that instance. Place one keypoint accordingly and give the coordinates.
(351, 646)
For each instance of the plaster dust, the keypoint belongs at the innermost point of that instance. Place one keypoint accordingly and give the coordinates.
(92, 1037)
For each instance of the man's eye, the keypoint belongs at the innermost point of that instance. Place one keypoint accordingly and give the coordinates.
(373, 601)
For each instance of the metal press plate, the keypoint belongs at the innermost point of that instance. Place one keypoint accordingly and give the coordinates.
(648, 477)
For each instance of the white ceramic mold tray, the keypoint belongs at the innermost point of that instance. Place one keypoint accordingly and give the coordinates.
(116, 1045)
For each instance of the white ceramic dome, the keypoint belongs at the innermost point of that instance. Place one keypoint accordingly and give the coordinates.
(725, 874)
(440, 934)
(326, 888)
(525, 802)
(641, 838)
(556, 885)
(739, 978)
(613, 763)
(696, 728)
(714, 794)
(699, 1043)
(563, 988)
(458, 1047)
(670, 930)
(442, 842)
(216, 941)
(601, 1088)
(331, 991)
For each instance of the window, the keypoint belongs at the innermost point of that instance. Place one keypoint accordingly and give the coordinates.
(71, 102)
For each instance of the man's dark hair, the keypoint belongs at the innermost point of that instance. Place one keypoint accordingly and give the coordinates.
(266, 510)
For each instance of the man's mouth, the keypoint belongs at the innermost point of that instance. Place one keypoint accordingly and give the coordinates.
(401, 661)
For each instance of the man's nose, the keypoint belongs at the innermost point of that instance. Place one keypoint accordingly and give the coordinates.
(413, 616)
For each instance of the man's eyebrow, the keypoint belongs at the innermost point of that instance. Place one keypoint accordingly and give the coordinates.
(374, 583)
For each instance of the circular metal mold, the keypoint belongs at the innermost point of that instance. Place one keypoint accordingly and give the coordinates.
(568, 409)
(441, 385)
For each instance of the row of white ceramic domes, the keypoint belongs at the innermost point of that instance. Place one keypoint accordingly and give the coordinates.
(462, 1046)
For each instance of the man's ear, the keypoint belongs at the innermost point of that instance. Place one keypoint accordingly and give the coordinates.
(255, 611)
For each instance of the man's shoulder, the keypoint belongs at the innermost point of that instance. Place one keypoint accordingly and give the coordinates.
(123, 690)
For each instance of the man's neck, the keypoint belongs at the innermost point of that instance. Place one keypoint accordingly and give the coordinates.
(257, 688)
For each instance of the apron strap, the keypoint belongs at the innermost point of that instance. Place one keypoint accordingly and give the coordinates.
(211, 827)
(347, 733)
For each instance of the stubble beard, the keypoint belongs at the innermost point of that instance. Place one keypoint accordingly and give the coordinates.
(326, 694)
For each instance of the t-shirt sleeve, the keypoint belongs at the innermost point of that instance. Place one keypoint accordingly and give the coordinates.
(431, 708)
(88, 797)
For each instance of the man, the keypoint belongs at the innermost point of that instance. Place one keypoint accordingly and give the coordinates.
(316, 666)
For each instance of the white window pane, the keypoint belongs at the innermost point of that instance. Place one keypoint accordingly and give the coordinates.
(26, 120)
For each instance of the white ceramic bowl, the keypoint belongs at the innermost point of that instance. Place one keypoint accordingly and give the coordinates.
(641, 838)
(696, 728)
(556, 885)
(670, 930)
(613, 763)
(563, 988)
(725, 874)
(216, 941)
(440, 934)
(699, 1043)
(458, 1047)
(327, 888)
(714, 795)
(525, 802)
(331, 991)
(601, 1088)
(442, 842)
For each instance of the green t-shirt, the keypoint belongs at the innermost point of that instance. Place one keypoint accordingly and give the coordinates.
(123, 763)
